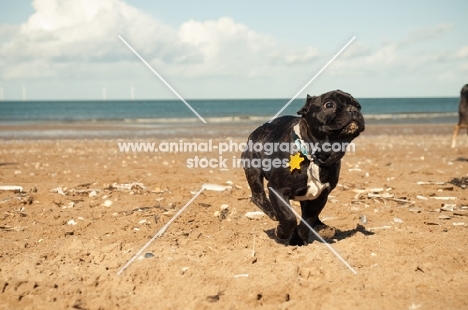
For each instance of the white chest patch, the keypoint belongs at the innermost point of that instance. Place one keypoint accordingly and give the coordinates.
(314, 186)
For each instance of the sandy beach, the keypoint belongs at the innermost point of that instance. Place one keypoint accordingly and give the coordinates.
(86, 209)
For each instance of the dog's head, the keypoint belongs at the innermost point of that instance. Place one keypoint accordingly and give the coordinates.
(335, 115)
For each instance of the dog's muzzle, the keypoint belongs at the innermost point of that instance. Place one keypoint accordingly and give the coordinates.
(351, 128)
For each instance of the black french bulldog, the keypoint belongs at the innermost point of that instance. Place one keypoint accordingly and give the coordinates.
(309, 170)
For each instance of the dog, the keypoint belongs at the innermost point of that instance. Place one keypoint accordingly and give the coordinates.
(462, 114)
(301, 173)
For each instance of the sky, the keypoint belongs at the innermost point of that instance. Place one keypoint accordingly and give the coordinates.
(70, 49)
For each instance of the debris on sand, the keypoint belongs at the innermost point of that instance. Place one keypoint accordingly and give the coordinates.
(86, 191)
(255, 215)
(359, 192)
(8, 199)
(380, 227)
(215, 187)
(11, 228)
(223, 214)
(14, 188)
(149, 255)
(363, 219)
(70, 205)
(430, 183)
(380, 193)
(71, 222)
(107, 203)
(158, 190)
(383, 196)
(57, 190)
(128, 186)
(387, 196)
(460, 182)
(213, 298)
(448, 207)
(444, 198)
(397, 220)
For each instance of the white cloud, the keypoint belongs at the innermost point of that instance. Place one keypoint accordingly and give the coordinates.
(227, 47)
(7, 32)
(74, 37)
(230, 48)
(427, 33)
(357, 49)
(84, 33)
(395, 59)
(462, 52)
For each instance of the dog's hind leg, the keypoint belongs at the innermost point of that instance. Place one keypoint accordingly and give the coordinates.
(255, 179)
(455, 134)
(466, 126)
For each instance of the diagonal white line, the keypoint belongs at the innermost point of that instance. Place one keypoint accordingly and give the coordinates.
(162, 79)
(311, 80)
(161, 231)
(315, 233)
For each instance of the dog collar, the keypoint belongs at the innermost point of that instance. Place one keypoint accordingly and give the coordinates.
(302, 146)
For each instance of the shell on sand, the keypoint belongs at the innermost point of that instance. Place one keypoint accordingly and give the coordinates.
(444, 217)
(255, 215)
(215, 187)
(11, 188)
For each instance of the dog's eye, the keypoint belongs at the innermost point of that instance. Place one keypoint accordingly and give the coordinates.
(329, 105)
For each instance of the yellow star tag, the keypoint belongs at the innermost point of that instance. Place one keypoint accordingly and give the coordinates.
(295, 161)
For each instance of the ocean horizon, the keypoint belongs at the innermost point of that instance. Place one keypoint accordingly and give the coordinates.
(412, 110)
(57, 119)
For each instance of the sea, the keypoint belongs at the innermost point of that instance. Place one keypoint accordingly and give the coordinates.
(96, 117)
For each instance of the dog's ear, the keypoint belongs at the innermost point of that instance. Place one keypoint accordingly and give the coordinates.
(303, 111)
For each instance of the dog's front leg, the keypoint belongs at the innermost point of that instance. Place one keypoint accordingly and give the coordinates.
(310, 213)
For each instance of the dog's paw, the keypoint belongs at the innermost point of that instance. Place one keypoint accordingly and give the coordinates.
(296, 240)
(325, 231)
(280, 234)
